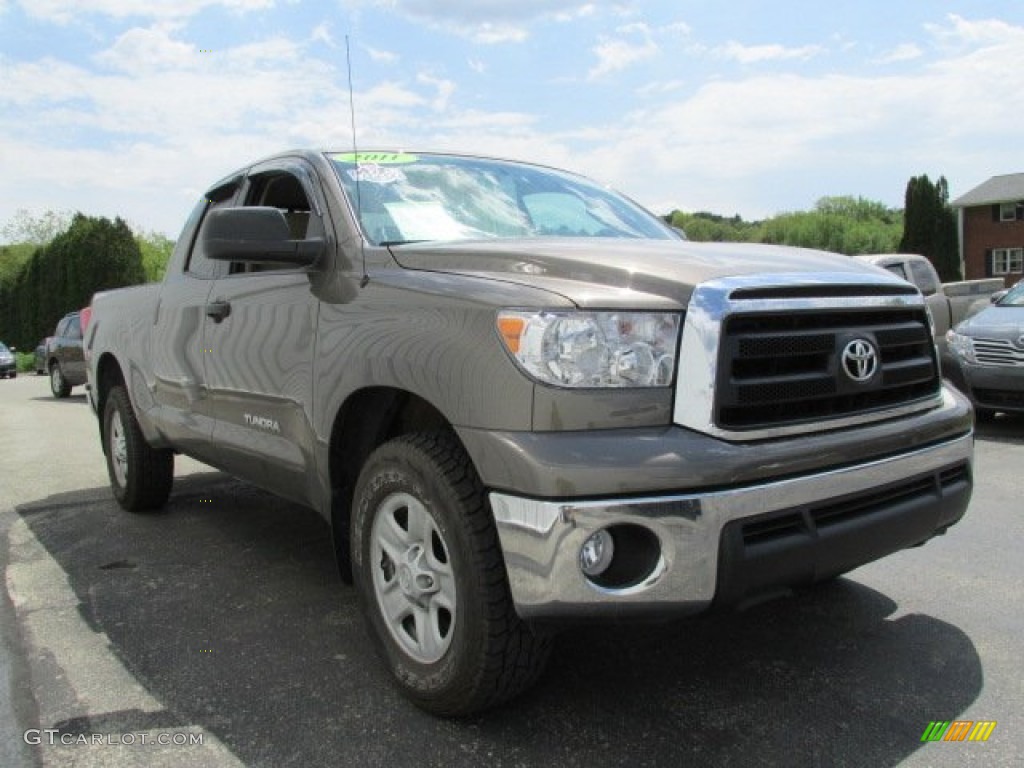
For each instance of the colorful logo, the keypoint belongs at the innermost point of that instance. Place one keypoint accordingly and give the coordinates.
(958, 730)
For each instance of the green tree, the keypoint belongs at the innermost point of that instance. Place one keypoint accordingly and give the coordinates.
(156, 252)
(929, 226)
(92, 254)
(705, 227)
(843, 224)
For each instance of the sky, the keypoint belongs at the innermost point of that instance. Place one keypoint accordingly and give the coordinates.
(132, 108)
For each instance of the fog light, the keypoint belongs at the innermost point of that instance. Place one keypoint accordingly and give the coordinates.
(596, 553)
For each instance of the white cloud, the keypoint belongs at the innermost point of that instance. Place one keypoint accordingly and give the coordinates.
(63, 11)
(494, 124)
(148, 50)
(161, 116)
(755, 54)
(382, 57)
(489, 22)
(741, 142)
(660, 87)
(164, 119)
(445, 89)
(902, 52)
(322, 33)
(680, 28)
(614, 54)
(394, 95)
(488, 33)
(480, 11)
(572, 14)
(962, 33)
(40, 83)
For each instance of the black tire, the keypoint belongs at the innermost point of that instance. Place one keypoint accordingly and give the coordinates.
(483, 654)
(58, 384)
(140, 475)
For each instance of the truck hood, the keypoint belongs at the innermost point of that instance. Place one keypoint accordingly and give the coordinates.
(614, 273)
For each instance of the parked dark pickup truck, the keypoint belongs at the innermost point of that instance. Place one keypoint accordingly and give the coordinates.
(520, 399)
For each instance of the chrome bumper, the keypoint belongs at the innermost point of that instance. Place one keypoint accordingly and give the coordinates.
(541, 539)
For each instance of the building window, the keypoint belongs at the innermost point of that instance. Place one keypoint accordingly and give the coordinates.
(1007, 211)
(1007, 261)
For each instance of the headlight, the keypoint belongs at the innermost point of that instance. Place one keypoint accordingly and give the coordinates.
(593, 349)
(962, 346)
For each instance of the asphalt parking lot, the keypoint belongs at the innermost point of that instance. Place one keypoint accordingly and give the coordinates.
(222, 620)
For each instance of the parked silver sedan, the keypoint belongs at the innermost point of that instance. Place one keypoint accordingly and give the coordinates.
(989, 351)
(8, 362)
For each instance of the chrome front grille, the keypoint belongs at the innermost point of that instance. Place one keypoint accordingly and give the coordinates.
(998, 353)
(779, 369)
(765, 356)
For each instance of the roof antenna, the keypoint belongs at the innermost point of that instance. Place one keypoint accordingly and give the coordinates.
(355, 159)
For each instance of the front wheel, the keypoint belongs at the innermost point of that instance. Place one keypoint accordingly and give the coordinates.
(427, 566)
(58, 384)
(140, 475)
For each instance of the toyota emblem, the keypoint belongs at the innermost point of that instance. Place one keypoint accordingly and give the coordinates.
(860, 360)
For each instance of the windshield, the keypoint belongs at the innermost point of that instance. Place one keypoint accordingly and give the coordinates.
(404, 198)
(4, 350)
(1014, 298)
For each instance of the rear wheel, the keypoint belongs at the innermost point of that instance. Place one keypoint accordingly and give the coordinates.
(431, 581)
(140, 475)
(58, 384)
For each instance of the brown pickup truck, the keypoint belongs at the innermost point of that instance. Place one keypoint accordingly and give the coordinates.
(519, 399)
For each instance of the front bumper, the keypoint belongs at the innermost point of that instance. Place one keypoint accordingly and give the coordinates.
(992, 388)
(733, 544)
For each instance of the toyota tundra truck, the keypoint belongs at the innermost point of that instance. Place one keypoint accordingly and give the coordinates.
(520, 400)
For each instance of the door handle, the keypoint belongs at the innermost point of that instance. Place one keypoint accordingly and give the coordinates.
(218, 309)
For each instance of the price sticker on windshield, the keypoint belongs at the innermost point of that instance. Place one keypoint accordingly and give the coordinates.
(377, 158)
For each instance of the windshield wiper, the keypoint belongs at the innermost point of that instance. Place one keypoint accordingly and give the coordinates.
(388, 243)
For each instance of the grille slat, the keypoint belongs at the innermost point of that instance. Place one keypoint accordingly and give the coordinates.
(998, 353)
(770, 363)
(907, 372)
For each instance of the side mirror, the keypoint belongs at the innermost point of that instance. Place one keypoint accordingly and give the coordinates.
(995, 297)
(255, 234)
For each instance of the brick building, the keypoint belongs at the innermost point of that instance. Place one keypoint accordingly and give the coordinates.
(990, 219)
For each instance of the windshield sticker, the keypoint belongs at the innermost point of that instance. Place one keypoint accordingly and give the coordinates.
(376, 174)
(380, 158)
(425, 221)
